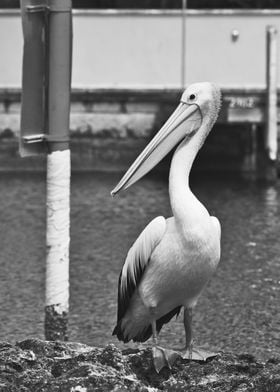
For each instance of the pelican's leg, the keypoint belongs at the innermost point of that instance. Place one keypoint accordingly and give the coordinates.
(162, 357)
(188, 313)
(158, 352)
(190, 352)
(154, 329)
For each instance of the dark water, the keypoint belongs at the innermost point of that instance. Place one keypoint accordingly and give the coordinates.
(240, 307)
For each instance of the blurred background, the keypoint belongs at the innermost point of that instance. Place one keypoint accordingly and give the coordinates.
(160, 4)
(130, 66)
(131, 62)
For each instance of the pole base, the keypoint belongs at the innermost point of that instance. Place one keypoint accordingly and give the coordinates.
(55, 324)
(267, 169)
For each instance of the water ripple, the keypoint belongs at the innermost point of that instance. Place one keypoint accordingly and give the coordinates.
(240, 307)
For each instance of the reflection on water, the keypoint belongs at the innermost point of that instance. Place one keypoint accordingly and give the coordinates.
(239, 309)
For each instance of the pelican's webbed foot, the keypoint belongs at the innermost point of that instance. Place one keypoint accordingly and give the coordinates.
(163, 357)
(196, 354)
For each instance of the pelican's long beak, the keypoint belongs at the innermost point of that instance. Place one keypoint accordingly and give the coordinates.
(183, 122)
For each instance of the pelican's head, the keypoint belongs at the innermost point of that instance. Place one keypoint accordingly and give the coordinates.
(207, 96)
(199, 105)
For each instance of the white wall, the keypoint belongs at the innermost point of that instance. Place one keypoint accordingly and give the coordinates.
(212, 55)
(144, 50)
(130, 51)
(11, 43)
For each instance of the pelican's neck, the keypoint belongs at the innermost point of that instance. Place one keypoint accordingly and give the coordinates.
(185, 206)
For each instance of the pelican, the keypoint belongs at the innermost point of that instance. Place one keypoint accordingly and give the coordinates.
(171, 261)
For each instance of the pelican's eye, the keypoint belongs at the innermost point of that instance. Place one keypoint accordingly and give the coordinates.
(192, 97)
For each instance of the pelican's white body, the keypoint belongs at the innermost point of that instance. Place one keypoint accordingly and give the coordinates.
(172, 260)
(182, 262)
(179, 268)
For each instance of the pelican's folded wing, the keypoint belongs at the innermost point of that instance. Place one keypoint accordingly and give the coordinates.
(137, 260)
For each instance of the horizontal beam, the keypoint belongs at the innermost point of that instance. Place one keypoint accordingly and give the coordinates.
(238, 105)
(161, 12)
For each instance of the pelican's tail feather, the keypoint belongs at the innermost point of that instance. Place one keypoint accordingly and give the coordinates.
(145, 332)
(167, 317)
(119, 332)
(141, 336)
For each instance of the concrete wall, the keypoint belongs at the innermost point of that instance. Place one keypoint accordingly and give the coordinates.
(150, 49)
(109, 130)
(11, 43)
(128, 69)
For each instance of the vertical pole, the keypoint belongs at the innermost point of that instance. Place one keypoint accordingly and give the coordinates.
(58, 170)
(33, 83)
(253, 148)
(183, 60)
(271, 86)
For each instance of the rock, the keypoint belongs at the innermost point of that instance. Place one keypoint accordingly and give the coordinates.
(37, 365)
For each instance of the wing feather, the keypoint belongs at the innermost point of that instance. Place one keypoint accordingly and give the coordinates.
(137, 260)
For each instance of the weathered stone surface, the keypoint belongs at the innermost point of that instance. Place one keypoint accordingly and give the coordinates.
(140, 107)
(104, 125)
(105, 107)
(115, 125)
(36, 365)
(10, 121)
(106, 130)
(14, 107)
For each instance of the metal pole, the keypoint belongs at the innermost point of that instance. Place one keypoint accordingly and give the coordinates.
(33, 83)
(58, 170)
(183, 69)
(271, 83)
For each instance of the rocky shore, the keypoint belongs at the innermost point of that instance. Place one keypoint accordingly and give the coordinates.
(37, 365)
